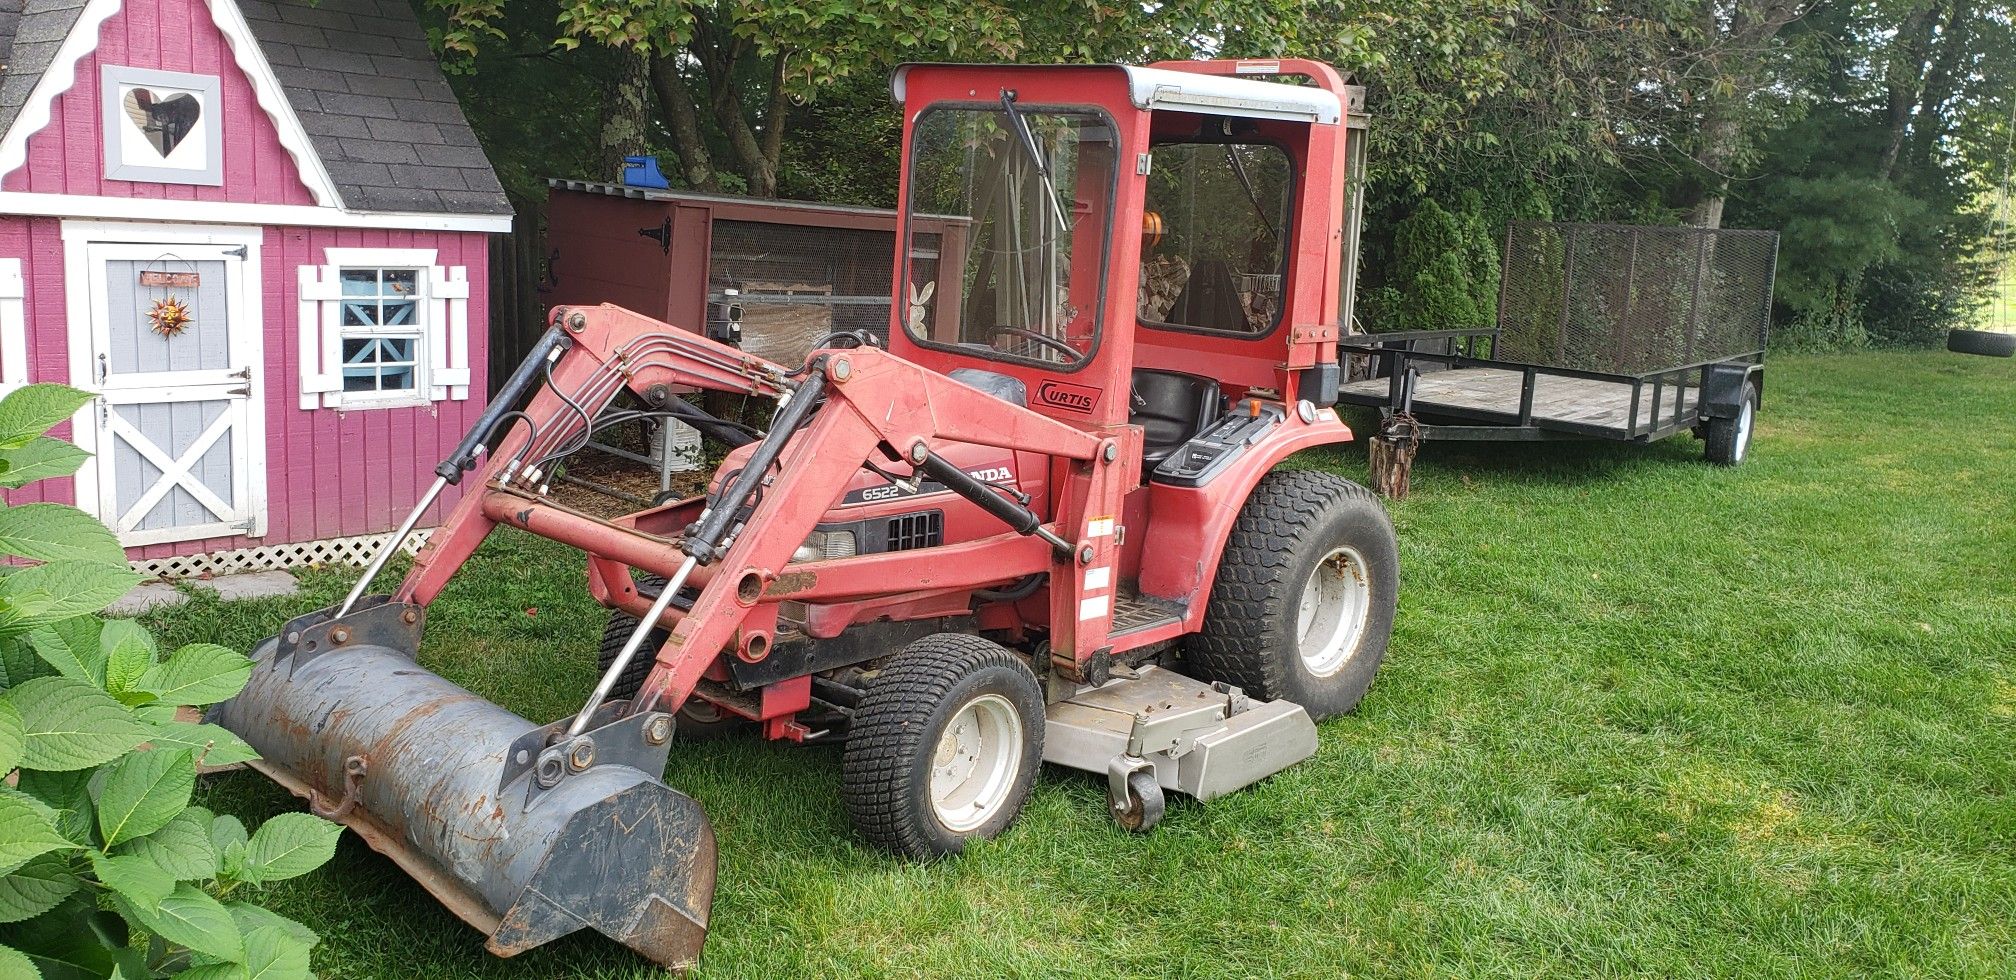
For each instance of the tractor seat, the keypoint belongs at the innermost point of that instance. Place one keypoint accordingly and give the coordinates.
(1008, 389)
(1171, 408)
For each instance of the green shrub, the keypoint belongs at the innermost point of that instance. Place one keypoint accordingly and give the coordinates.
(106, 870)
(1445, 270)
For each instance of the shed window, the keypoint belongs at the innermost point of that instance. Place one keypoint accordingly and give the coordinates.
(383, 327)
(381, 324)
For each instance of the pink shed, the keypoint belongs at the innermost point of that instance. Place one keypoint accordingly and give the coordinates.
(258, 231)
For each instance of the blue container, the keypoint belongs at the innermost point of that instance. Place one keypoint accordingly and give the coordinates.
(643, 172)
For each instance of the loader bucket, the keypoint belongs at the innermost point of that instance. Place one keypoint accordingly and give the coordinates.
(525, 840)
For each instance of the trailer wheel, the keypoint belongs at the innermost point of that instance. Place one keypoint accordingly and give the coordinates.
(1987, 343)
(1303, 603)
(944, 746)
(697, 719)
(1729, 438)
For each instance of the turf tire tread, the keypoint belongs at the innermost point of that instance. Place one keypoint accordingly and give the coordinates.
(615, 634)
(1255, 572)
(880, 765)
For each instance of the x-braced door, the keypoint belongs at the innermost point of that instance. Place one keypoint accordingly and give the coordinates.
(174, 361)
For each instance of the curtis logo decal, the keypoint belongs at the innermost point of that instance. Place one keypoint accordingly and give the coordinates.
(1069, 397)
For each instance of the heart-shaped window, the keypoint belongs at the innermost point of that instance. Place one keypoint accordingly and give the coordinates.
(164, 119)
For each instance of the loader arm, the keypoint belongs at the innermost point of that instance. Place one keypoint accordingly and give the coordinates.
(601, 351)
(868, 406)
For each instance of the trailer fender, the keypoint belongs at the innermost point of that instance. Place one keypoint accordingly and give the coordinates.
(1187, 530)
(1722, 394)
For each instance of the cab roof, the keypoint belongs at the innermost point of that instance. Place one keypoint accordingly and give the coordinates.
(1183, 91)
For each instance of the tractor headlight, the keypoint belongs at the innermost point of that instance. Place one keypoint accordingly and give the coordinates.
(824, 545)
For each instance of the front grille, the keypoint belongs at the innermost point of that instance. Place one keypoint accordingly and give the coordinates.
(920, 530)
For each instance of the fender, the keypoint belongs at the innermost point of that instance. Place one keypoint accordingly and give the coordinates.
(1722, 391)
(1185, 540)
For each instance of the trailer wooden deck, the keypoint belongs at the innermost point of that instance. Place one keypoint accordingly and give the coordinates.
(1575, 404)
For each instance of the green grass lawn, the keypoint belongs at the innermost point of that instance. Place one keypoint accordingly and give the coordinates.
(1641, 716)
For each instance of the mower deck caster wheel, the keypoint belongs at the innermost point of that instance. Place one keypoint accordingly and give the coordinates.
(1143, 807)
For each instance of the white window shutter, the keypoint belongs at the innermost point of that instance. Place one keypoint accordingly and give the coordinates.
(13, 327)
(321, 340)
(448, 332)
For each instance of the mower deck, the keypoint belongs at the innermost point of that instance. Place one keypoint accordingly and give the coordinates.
(1202, 739)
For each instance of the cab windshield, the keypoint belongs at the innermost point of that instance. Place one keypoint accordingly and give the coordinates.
(1007, 215)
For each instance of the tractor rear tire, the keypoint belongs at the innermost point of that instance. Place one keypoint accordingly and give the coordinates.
(1304, 599)
(1728, 439)
(697, 719)
(944, 746)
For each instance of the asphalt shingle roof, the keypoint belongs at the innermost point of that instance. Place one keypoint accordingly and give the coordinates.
(367, 89)
(360, 77)
(34, 29)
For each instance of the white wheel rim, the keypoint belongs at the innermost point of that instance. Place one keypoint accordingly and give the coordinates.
(1743, 422)
(1336, 602)
(974, 766)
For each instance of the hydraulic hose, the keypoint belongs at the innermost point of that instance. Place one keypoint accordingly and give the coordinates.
(707, 422)
(529, 372)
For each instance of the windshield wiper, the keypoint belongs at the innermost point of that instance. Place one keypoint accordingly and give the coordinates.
(1035, 155)
(1239, 170)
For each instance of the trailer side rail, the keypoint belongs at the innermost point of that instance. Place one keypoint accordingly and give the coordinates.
(1399, 355)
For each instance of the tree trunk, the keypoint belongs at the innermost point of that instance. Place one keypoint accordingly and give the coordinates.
(624, 115)
(1904, 81)
(1736, 73)
(757, 168)
(1944, 58)
(1716, 156)
(683, 119)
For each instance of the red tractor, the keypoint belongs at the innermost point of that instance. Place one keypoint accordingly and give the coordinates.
(1043, 523)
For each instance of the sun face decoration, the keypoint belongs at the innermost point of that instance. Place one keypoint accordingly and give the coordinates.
(169, 317)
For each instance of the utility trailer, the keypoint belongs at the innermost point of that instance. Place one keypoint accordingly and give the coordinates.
(1621, 332)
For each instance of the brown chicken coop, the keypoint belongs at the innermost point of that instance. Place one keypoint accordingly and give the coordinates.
(798, 271)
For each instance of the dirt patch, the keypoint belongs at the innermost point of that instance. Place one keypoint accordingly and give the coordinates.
(636, 481)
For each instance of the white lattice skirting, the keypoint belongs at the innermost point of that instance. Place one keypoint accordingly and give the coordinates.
(329, 551)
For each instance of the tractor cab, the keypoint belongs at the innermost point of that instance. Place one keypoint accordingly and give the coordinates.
(1111, 245)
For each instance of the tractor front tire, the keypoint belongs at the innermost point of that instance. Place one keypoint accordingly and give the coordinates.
(943, 747)
(1304, 600)
(697, 719)
(1728, 439)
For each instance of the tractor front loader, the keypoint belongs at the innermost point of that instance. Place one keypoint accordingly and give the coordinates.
(1044, 523)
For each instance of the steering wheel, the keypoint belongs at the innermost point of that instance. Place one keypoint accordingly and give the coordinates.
(1071, 354)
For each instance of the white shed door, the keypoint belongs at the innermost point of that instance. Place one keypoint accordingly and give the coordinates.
(174, 360)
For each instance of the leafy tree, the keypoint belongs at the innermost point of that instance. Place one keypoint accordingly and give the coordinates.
(106, 870)
(1862, 129)
(1877, 186)
(726, 80)
(1445, 270)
